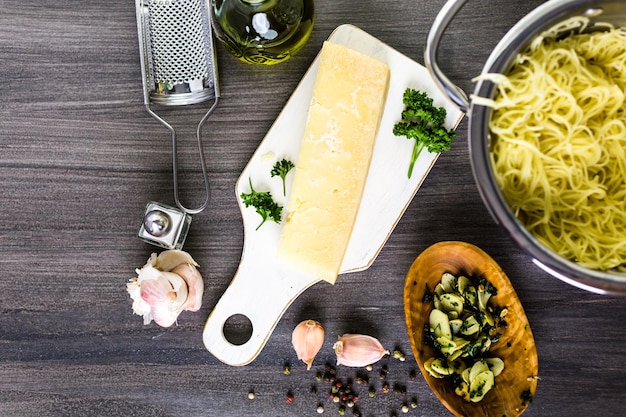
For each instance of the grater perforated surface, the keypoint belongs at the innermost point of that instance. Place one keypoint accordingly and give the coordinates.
(179, 47)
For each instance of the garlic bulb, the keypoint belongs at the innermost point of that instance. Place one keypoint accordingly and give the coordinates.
(358, 350)
(165, 286)
(307, 339)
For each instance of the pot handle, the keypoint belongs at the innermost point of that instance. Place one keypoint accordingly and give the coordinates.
(443, 19)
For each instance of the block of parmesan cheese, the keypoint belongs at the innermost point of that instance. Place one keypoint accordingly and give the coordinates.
(346, 107)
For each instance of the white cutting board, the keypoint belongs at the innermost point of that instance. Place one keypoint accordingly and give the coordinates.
(262, 289)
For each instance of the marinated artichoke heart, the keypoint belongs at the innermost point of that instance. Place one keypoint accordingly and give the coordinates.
(462, 326)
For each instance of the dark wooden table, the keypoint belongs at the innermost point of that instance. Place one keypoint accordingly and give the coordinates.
(80, 157)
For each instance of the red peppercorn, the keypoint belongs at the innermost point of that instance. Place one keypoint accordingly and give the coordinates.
(289, 398)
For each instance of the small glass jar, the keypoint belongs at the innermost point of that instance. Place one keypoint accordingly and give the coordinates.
(263, 31)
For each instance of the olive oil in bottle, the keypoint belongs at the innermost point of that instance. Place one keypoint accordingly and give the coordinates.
(263, 31)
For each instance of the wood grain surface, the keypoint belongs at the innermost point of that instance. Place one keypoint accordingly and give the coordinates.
(80, 157)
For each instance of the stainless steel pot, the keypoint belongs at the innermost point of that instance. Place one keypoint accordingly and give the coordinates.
(500, 60)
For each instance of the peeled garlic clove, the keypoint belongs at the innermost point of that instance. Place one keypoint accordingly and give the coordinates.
(307, 340)
(358, 350)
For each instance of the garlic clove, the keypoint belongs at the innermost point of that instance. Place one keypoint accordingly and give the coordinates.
(307, 340)
(195, 285)
(170, 259)
(358, 350)
(165, 294)
(158, 295)
(181, 263)
(165, 286)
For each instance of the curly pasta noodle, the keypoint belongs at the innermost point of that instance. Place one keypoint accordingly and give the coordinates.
(559, 150)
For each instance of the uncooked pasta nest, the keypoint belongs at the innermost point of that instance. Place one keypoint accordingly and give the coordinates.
(558, 128)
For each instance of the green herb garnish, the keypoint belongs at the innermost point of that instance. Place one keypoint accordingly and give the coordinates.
(281, 169)
(422, 121)
(263, 203)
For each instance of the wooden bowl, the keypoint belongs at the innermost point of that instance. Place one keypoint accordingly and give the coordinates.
(516, 385)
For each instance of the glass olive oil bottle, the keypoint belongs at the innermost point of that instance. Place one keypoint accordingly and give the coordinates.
(263, 31)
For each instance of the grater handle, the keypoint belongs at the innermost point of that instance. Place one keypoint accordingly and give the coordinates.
(205, 178)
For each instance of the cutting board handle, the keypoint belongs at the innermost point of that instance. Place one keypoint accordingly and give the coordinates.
(260, 291)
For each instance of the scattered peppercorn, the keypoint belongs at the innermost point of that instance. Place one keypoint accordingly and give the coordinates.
(342, 392)
(251, 395)
(361, 378)
(399, 389)
(329, 373)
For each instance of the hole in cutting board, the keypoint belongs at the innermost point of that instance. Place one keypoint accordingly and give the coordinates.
(237, 329)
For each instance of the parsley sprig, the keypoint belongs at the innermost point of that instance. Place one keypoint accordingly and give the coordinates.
(281, 169)
(422, 121)
(264, 204)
